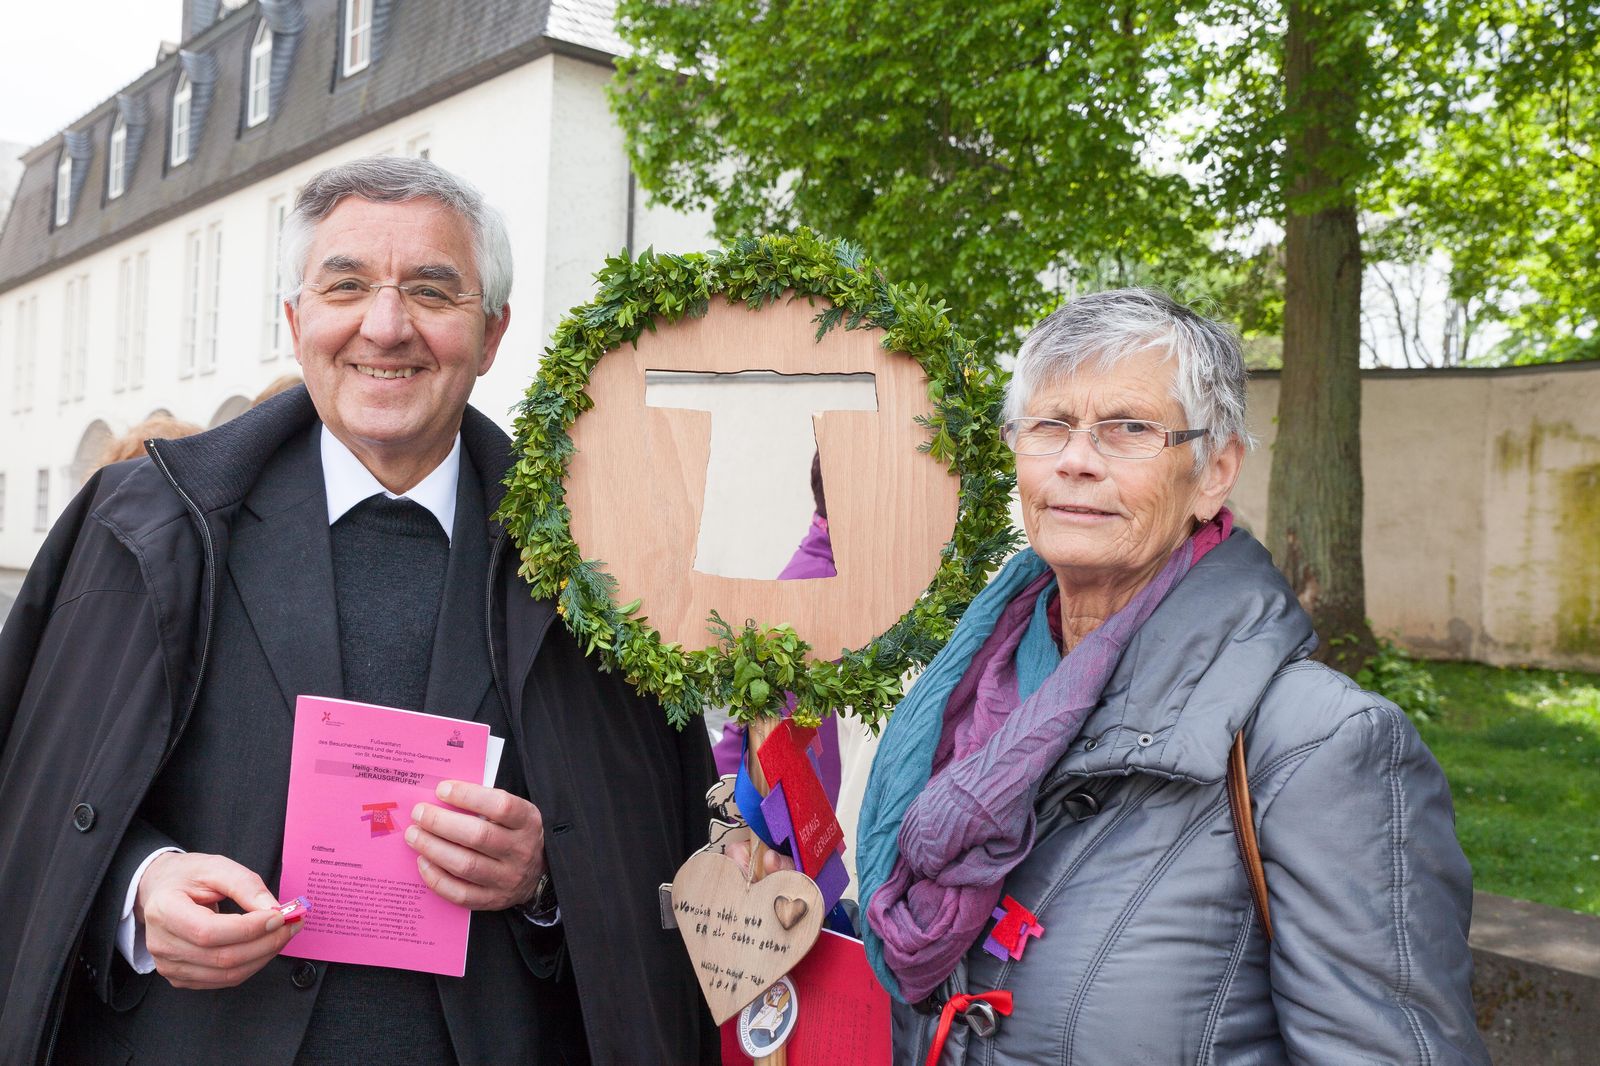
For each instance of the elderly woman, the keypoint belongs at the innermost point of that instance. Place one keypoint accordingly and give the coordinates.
(1047, 845)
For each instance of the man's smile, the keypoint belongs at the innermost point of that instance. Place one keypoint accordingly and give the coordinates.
(381, 372)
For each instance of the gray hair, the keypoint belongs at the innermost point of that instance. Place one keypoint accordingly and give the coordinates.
(1103, 328)
(392, 180)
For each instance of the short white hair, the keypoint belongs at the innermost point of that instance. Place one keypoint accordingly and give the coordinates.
(1102, 328)
(392, 180)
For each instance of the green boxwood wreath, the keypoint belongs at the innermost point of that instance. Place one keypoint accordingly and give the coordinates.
(750, 669)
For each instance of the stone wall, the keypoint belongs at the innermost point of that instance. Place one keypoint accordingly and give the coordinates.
(1482, 530)
(1535, 982)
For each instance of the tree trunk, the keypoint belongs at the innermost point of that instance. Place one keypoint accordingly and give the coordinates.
(1314, 526)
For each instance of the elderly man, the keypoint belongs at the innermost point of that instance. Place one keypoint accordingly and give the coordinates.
(335, 541)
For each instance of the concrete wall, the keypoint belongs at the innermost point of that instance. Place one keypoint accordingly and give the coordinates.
(1482, 530)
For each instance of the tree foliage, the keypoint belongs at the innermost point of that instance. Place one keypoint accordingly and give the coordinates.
(1006, 154)
(1003, 154)
(997, 152)
(1506, 180)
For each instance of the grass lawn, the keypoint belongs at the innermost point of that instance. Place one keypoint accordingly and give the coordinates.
(1522, 751)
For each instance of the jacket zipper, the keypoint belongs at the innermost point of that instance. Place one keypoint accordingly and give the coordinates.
(59, 1004)
(488, 624)
(500, 683)
(211, 597)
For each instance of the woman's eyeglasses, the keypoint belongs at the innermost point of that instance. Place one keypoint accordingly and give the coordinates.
(1115, 438)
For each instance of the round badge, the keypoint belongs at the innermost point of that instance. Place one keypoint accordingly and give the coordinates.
(768, 1021)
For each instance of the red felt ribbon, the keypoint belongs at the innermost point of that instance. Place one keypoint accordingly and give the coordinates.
(999, 999)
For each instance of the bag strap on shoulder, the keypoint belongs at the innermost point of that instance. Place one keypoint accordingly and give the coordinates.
(1244, 830)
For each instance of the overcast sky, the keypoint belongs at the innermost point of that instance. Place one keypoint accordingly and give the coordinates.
(60, 58)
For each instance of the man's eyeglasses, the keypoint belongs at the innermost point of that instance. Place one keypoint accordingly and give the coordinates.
(1115, 438)
(416, 295)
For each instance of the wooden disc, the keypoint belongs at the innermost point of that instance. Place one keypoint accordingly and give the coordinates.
(637, 483)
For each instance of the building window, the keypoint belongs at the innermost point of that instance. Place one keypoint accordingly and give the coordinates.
(63, 189)
(357, 35)
(213, 300)
(140, 305)
(69, 336)
(41, 503)
(276, 329)
(182, 102)
(80, 351)
(20, 366)
(260, 94)
(69, 311)
(75, 338)
(189, 339)
(22, 373)
(119, 358)
(116, 160)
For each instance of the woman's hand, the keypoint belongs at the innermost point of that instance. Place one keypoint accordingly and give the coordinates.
(771, 861)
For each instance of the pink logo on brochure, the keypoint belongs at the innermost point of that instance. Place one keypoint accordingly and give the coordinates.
(378, 814)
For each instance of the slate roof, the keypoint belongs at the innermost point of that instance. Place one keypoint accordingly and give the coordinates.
(423, 52)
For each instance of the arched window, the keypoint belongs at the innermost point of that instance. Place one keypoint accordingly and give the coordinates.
(63, 188)
(260, 94)
(182, 101)
(117, 160)
(357, 35)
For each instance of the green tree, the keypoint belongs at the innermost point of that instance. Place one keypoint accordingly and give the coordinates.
(1005, 154)
(942, 136)
(1509, 184)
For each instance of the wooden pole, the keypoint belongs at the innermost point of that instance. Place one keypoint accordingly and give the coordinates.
(757, 734)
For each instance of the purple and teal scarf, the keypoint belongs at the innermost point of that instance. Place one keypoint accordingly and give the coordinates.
(948, 811)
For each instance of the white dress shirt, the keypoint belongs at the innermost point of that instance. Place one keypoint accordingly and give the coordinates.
(347, 483)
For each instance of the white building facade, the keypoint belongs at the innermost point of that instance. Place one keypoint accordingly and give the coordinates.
(138, 265)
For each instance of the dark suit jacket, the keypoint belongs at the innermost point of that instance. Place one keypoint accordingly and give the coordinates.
(619, 790)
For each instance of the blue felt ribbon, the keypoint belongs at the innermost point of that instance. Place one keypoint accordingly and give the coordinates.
(749, 800)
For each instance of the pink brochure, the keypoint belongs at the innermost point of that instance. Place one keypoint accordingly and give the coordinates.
(355, 773)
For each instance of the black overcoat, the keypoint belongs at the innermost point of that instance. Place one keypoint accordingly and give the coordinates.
(102, 657)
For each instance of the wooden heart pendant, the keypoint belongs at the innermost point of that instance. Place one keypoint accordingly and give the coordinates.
(742, 936)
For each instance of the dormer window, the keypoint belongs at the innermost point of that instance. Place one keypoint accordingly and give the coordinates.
(259, 104)
(357, 35)
(117, 160)
(182, 103)
(63, 189)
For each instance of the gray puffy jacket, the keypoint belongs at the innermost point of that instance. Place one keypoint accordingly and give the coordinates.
(1152, 951)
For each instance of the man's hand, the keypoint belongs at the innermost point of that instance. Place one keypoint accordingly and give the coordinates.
(194, 946)
(488, 859)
